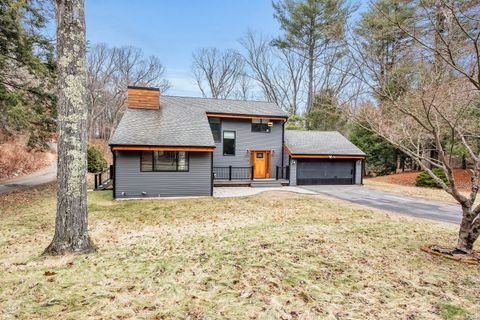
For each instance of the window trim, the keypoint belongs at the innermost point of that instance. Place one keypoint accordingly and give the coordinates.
(221, 127)
(261, 122)
(187, 155)
(234, 143)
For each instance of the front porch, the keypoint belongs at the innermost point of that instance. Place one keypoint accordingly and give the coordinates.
(245, 176)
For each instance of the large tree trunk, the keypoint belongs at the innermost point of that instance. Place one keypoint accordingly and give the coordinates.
(71, 227)
(310, 93)
(469, 231)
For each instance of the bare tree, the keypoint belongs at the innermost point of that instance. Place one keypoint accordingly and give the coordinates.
(110, 71)
(217, 73)
(436, 114)
(437, 107)
(71, 224)
(278, 72)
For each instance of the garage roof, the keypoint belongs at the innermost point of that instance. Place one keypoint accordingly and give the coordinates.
(327, 143)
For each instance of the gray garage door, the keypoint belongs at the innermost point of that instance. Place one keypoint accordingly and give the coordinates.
(325, 171)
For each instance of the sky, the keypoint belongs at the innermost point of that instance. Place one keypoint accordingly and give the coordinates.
(173, 29)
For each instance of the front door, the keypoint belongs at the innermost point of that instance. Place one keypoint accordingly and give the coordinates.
(260, 164)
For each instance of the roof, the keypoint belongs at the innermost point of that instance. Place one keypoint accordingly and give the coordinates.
(320, 143)
(227, 106)
(182, 121)
(169, 126)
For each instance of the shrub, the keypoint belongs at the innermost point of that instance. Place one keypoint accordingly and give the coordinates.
(96, 161)
(425, 180)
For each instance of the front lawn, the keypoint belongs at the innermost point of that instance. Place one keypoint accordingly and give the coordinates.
(274, 255)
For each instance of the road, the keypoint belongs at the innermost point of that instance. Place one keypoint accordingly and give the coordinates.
(411, 206)
(45, 175)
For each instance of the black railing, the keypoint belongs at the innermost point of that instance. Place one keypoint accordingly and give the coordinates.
(104, 176)
(233, 173)
(282, 172)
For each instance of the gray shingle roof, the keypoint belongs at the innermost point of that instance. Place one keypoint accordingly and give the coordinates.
(169, 126)
(320, 143)
(253, 108)
(182, 121)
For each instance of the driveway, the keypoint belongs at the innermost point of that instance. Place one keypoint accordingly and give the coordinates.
(406, 205)
(45, 175)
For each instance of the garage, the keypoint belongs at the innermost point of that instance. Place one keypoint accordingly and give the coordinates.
(323, 158)
(325, 171)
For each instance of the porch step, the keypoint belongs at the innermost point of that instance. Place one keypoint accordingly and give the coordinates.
(265, 184)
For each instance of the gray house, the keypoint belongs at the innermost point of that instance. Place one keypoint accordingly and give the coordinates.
(183, 146)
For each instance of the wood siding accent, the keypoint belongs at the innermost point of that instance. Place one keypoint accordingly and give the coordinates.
(240, 116)
(314, 156)
(321, 156)
(153, 148)
(143, 98)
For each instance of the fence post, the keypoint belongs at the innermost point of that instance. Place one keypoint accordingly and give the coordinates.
(252, 173)
(230, 173)
(96, 184)
(110, 173)
(276, 173)
(287, 172)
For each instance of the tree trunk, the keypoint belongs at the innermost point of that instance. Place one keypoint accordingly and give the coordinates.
(469, 231)
(71, 227)
(311, 62)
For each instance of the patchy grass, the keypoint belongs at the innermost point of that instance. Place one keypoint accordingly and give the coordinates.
(274, 255)
(421, 192)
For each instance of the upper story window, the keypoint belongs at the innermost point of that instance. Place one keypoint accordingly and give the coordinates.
(216, 126)
(163, 161)
(229, 143)
(260, 125)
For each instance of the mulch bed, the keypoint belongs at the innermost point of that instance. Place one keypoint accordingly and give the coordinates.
(472, 259)
(462, 178)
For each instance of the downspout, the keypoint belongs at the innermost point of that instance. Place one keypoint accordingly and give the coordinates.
(363, 171)
(283, 142)
(114, 176)
(211, 174)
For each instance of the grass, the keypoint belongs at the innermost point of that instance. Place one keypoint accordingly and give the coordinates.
(270, 256)
(421, 192)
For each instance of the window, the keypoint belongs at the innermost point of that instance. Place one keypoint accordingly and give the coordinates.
(228, 143)
(260, 125)
(163, 161)
(216, 126)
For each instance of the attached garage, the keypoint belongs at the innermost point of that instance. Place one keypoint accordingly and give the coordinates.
(323, 157)
(325, 171)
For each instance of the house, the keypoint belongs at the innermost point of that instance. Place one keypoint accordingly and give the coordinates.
(183, 146)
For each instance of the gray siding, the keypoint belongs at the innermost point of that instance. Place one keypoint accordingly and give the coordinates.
(129, 179)
(293, 172)
(248, 140)
(358, 171)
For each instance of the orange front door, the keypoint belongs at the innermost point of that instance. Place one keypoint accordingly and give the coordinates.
(260, 164)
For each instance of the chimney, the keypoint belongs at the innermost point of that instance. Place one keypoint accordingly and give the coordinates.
(143, 98)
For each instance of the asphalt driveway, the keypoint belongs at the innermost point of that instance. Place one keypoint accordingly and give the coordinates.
(45, 175)
(406, 205)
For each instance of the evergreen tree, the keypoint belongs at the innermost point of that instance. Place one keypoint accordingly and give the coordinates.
(26, 68)
(311, 27)
(325, 114)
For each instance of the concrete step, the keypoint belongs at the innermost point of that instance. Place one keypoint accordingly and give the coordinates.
(265, 184)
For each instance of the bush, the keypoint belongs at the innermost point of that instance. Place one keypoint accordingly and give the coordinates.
(96, 161)
(425, 180)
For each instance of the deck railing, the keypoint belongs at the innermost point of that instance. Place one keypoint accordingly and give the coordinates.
(282, 172)
(233, 173)
(103, 177)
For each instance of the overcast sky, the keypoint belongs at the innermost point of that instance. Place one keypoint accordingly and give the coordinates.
(173, 29)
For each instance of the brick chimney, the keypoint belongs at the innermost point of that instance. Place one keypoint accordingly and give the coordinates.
(143, 98)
